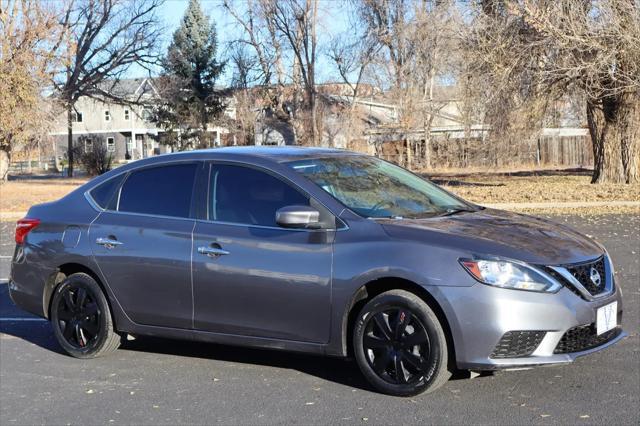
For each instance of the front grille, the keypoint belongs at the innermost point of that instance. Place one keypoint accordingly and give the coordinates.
(584, 337)
(582, 273)
(518, 344)
(564, 282)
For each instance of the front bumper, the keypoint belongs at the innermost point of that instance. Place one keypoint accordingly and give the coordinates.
(480, 315)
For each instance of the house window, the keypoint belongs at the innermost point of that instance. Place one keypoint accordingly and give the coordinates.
(111, 145)
(76, 117)
(129, 145)
(147, 113)
(126, 114)
(88, 145)
(107, 115)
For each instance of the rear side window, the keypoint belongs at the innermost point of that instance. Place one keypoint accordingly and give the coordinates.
(248, 196)
(103, 194)
(164, 191)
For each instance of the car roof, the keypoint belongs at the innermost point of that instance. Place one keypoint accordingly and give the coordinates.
(275, 153)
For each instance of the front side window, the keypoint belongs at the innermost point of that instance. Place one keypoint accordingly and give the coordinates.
(126, 114)
(107, 115)
(111, 145)
(249, 196)
(374, 188)
(76, 117)
(88, 145)
(162, 191)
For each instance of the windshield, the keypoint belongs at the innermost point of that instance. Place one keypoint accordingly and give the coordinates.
(374, 188)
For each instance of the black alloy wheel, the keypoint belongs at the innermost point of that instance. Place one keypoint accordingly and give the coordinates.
(397, 346)
(81, 318)
(400, 345)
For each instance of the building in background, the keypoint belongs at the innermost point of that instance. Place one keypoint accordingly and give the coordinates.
(127, 129)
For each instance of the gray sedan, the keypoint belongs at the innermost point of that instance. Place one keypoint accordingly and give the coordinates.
(313, 250)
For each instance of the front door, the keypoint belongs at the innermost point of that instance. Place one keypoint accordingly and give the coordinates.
(252, 277)
(143, 246)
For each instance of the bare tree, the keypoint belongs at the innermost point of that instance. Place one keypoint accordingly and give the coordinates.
(414, 47)
(536, 52)
(296, 22)
(276, 32)
(106, 38)
(30, 37)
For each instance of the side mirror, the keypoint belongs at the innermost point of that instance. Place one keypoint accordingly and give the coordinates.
(298, 217)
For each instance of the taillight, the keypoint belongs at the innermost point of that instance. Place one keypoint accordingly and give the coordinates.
(23, 226)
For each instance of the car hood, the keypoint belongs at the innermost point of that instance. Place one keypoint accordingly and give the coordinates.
(499, 233)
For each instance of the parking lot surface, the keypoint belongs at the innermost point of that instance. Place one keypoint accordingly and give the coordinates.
(158, 381)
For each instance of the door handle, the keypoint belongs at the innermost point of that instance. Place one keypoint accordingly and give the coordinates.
(108, 242)
(212, 251)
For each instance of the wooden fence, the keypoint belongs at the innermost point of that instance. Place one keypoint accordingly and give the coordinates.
(563, 151)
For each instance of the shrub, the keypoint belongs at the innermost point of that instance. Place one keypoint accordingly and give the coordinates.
(95, 159)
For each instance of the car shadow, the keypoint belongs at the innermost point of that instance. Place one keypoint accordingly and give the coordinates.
(38, 333)
(338, 370)
(343, 371)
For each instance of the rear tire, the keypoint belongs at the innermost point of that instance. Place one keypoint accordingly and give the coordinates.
(400, 345)
(81, 318)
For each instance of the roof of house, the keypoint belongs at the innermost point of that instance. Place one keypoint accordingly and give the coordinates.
(128, 87)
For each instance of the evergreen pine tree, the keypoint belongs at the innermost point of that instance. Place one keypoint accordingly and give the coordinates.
(190, 71)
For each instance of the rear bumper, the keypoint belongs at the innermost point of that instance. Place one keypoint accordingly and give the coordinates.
(26, 301)
(27, 282)
(480, 315)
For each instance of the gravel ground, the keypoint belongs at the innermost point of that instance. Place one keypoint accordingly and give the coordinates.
(157, 381)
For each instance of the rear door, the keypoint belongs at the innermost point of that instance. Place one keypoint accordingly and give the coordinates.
(143, 245)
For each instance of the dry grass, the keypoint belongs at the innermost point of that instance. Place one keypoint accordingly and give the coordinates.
(482, 187)
(532, 187)
(19, 195)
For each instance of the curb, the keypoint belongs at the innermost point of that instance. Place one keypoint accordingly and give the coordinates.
(565, 205)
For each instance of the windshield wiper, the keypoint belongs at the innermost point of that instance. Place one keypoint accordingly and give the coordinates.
(451, 212)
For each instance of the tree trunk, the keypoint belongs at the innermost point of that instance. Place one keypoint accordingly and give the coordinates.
(5, 163)
(314, 119)
(614, 127)
(70, 138)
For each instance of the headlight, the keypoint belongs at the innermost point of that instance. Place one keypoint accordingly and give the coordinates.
(505, 274)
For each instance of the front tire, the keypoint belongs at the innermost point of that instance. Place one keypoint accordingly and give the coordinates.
(400, 345)
(81, 318)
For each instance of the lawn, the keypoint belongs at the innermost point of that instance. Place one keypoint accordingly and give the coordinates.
(18, 195)
(534, 187)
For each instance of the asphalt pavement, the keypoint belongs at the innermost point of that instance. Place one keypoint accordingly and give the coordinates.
(158, 381)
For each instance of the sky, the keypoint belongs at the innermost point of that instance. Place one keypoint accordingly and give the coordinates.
(333, 20)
